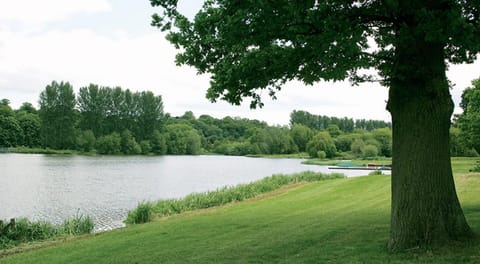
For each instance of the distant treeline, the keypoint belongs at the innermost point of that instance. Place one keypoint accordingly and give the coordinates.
(106, 120)
(320, 122)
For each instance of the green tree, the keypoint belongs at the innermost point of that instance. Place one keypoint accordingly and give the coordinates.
(27, 108)
(57, 115)
(210, 131)
(334, 130)
(248, 46)
(369, 151)
(322, 141)
(273, 140)
(30, 124)
(11, 133)
(146, 147)
(129, 110)
(182, 139)
(235, 148)
(150, 114)
(459, 146)
(304, 118)
(114, 104)
(469, 120)
(86, 140)
(344, 142)
(357, 146)
(128, 143)
(92, 102)
(301, 134)
(158, 143)
(384, 137)
(5, 109)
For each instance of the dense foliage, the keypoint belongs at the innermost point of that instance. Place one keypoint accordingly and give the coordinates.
(469, 121)
(345, 124)
(105, 110)
(115, 121)
(57, 115)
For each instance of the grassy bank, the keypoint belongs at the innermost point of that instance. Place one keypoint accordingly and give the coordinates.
(146, 211)
(333, 162)
(335, 221)
(302, 155)
(27, 150)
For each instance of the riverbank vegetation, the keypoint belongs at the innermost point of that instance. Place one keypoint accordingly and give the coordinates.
(115, 121)
(334, 221)
(19, 231)
(146, 211)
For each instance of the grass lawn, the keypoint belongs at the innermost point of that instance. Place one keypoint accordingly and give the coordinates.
(333, 221)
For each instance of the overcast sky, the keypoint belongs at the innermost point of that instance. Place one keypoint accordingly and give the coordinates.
(111, 43)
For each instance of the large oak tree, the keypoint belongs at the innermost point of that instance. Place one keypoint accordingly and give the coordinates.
(252, 45)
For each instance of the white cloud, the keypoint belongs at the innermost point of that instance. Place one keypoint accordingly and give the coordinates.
(461, 76)
(32, 12)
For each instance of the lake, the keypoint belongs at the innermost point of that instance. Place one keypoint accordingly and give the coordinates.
(56, 187)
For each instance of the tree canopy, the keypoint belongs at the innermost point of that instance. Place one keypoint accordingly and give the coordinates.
(469, 120)
(57, 113)
(245, 44)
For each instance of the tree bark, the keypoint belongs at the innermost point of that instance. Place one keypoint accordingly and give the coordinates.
(425, 209)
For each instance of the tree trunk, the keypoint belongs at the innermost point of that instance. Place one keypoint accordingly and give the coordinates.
(425, 209)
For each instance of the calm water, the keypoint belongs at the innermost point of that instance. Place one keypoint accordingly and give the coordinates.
(53, 188)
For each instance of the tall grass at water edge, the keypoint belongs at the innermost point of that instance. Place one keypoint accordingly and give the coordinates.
(146, 211)
(22, 230)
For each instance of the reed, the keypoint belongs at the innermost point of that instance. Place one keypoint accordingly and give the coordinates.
(141, 214)
(78, 225)
(22, 230)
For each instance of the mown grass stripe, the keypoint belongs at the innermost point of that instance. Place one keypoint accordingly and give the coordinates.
(337, 221)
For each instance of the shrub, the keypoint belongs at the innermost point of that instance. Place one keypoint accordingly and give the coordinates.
(233, 148)
(128, 143)
(321, 154)
(110, 144)
(357, 146)
(369, 151)
(158, 143)
(146, 147)
(384, 137)
(86, 141)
